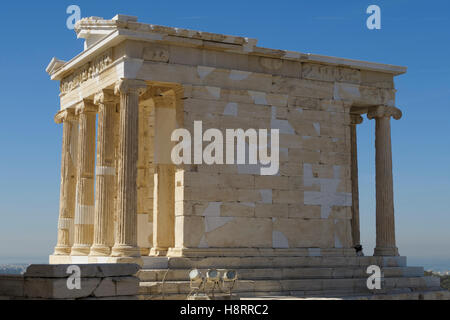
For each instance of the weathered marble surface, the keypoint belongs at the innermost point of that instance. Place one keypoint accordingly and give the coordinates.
(97, 281)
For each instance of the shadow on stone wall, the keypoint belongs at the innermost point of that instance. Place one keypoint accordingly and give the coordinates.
(96, 281)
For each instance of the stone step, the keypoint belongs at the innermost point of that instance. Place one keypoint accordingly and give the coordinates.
(271, 295)
(394, 294)
(415, 295)
(307, 286)
(269, 262)
(284, 273)
(347, 293)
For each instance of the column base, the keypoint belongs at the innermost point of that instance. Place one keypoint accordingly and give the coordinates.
(392, 251)
(62, 250)
(100, 250)
(158, 252)
(260, 252)
(125, 251)
(67, 259)
(80, 250)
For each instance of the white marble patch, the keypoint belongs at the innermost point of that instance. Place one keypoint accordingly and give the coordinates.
(231, 109)
(213, 220)
(337, 242)
(79, 259)
(258, 97)
(314, 252)
(212, 223)
(282, 125)
(203, 71)
(316, 126)
(203, 243)
(284, 152)
(279, 240)
(239, 75)
(84, 214)
(212, 210)
(328, 196)
(266, 195)
(102, 259)
(214, 91)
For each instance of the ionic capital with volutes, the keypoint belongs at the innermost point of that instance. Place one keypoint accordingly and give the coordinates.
(384, 112)
(105, 96)
(65, 115)
(355, 119)
(86, 106)
(126, 86)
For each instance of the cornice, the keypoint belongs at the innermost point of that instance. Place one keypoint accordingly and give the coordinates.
(111, 32)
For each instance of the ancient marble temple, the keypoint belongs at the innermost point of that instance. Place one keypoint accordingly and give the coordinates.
(122, 198)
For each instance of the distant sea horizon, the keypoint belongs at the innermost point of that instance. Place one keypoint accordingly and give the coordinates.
(23, 260)
(436, 264)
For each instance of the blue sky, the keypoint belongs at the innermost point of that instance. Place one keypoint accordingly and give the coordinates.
(414, 34)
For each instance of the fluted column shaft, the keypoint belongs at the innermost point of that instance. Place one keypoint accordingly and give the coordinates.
(68, 181)
(126, 223)
(105, 175)
(385, 224)
(84, 207)
(355, 120)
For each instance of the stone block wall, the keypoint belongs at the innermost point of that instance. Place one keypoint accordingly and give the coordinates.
(97, 281)
(307, 204)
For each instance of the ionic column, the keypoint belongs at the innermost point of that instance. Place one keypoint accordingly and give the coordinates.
(68, 181)
(126, 223)
(385, 228)
(84, 207)
(355, 120)
(105, 174)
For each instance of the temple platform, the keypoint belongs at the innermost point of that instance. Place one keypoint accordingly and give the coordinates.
(292, 278)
